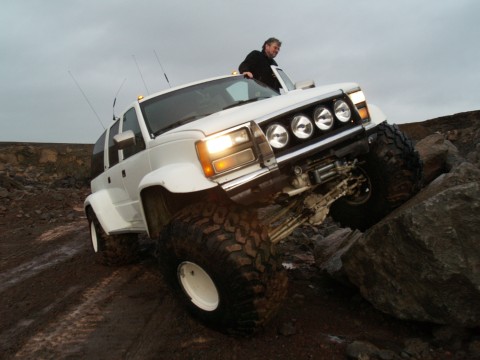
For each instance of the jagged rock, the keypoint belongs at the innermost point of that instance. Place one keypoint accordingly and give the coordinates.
(361, 350)
(417, 348)
(422, 262)
(438, 156)
(9, 183)
(328, 252)
(474, 156)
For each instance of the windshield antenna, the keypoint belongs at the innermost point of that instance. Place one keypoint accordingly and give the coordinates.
(138, 67)
(86, 98)
(161, 67)
(115, 99)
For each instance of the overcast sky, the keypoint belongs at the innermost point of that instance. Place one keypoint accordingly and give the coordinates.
(63, 62)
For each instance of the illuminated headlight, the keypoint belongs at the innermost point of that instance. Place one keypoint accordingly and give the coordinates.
(224, 142)
(222, 153)
(342, 111)
(357, 97)
(323, 118)
(302, 127)
(277, 136)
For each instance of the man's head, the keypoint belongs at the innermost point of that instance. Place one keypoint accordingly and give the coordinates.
(271, 47)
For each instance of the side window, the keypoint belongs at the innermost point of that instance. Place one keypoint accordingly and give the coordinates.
(130, 122)
(97, 166)
(112, 149)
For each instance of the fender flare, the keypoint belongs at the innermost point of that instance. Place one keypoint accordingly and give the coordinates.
(105, 211)
(377, 116)
(177, 178)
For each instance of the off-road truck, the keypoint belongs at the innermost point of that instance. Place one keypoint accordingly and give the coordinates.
(218, 172)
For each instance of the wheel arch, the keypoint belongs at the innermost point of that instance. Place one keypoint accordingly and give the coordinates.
(377, 116)
(178, 178)
(159, 204)
(101, 204)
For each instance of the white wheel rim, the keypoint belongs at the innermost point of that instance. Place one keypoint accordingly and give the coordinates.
(198, 285)
(93, 236)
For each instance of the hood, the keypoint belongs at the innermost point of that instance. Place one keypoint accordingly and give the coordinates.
(263, 109)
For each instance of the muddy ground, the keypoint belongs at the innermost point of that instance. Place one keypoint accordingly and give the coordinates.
(57, 303)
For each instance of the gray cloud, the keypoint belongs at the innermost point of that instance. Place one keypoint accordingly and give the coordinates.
(416, 60)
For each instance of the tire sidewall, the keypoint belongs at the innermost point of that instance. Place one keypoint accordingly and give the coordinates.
(237, 256)
(394, 171)
(96, 232)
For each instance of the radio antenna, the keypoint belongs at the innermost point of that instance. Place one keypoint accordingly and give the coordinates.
(161, 67)
(115, 99)
(138, 67)
(86, 98)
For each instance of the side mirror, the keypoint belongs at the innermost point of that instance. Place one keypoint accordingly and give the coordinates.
(124, 140)
(307, 84)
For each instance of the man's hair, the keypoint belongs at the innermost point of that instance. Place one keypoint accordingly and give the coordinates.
(270, 41)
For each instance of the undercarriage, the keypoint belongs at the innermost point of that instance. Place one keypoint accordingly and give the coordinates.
(307, 203)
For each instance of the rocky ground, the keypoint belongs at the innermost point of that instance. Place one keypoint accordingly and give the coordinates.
(56, 302)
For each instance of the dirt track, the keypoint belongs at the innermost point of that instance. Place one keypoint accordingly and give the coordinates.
(56, 303)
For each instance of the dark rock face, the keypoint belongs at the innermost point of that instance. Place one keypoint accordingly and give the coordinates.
(438, 155)
(422, 262)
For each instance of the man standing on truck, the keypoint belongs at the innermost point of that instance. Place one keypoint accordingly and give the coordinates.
(257, 64)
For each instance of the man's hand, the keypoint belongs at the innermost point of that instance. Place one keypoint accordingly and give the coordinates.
(248, 74)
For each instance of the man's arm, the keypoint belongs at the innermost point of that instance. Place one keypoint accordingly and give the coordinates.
(247, 67)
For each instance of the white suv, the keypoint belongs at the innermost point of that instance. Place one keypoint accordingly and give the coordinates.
(191, 166)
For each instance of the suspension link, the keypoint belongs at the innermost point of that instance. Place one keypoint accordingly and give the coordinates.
(311, 207)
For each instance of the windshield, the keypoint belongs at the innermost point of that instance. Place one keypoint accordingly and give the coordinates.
(179, 107)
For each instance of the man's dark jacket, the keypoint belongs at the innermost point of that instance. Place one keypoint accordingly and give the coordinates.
(259, 65)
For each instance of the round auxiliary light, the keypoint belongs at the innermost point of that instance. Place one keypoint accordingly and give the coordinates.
(277, 136)
(342, 111)
(302, 127)
(323, 118)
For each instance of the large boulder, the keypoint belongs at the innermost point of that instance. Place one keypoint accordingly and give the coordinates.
(438, 155)
(328, 252)
(422, 262)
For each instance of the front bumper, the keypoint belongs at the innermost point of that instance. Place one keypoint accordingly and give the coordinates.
(265, 183)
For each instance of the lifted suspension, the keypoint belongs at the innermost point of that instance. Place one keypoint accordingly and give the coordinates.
(310, 206)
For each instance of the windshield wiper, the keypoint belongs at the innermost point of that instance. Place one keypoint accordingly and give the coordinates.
(190, 118)
(179, 123)
(241, 102)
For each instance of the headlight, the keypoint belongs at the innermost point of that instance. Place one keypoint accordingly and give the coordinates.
(358, 98)
(342, 111)
(225, 152)
(222, 143)
(277, 136)
(323, 118)
(302, 127)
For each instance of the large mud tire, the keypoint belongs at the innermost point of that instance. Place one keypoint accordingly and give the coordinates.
(234, 281)
(394, 173)
(111, 250)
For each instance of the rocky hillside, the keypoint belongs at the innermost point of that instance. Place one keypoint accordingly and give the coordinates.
(462, 129)
(28, 164)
